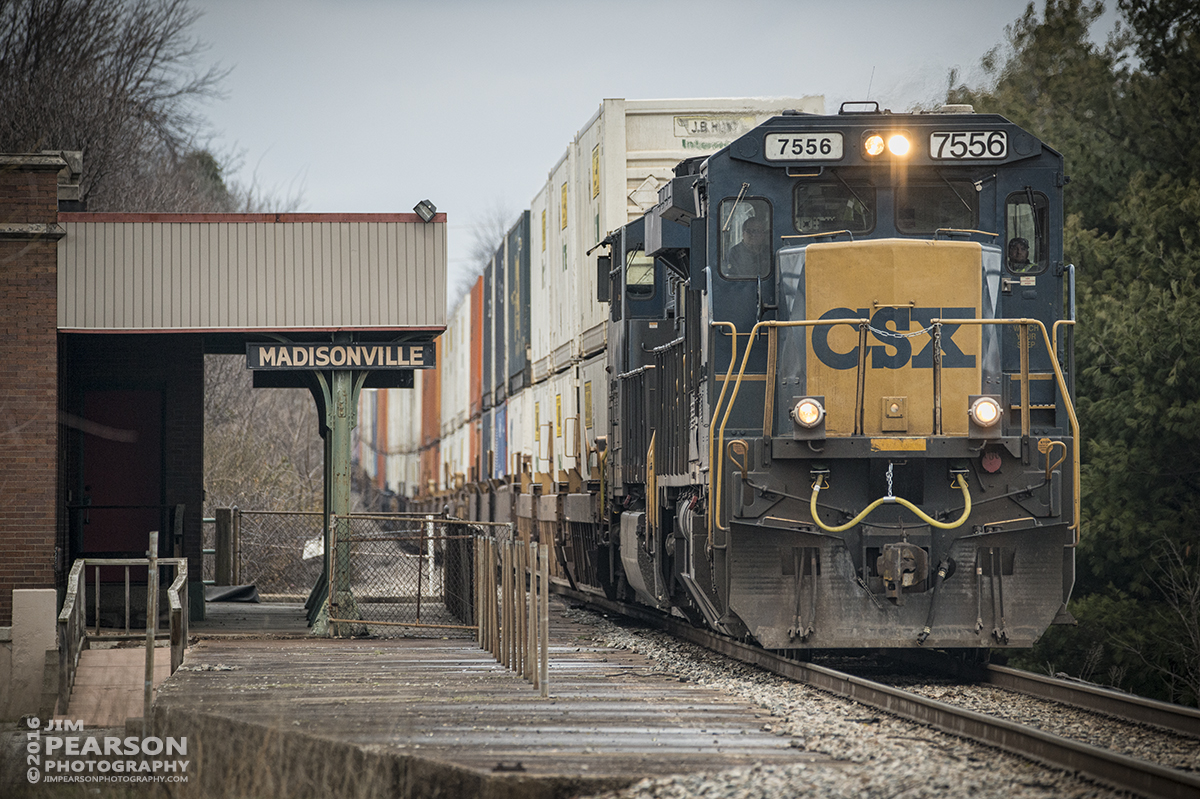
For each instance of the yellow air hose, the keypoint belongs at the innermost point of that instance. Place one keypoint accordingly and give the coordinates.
(959, 481)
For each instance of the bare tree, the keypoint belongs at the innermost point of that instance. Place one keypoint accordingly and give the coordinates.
(117, 80)
(487, 233)
(262, 450)
(120, 80)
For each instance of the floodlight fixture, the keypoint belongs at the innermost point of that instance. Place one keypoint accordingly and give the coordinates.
(425, 210)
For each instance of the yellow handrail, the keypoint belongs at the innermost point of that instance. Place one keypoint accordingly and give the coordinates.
(958, 480)
(718, 468)
(1054, 333)
(1062, 387)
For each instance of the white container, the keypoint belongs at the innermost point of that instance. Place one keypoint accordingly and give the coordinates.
(609, 175)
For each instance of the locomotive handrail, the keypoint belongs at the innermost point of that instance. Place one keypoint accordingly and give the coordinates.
(713, 481)
(1062, 387)
(959, 482)
(717, 468)
(1054, 332)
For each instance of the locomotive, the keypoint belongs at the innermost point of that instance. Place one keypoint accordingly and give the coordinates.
(829, 405)
(840, 396)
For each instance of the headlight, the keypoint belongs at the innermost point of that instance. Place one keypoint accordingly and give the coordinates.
(985, 412)
(808, 413)
(897, 144)
(873, 144)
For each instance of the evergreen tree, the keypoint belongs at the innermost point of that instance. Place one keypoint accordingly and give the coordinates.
(1050, 79)
(1123, 116)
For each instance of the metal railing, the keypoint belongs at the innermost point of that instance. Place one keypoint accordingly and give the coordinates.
(208, 551)
(73, 635)
(401, 570)
(279, 552)
(638, 401)
(512, 601)
(669, 416)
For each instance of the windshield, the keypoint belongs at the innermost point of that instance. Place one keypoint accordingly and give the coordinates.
(826, 206)
(929, 207)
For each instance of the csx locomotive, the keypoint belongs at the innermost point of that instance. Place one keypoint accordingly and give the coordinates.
(838, 372)
(857, 429)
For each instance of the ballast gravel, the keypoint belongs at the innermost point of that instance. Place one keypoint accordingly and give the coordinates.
(874, 756)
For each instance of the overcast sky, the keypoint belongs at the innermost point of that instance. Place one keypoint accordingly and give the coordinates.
(371, 105)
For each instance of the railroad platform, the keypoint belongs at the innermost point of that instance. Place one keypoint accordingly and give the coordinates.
(429, 717)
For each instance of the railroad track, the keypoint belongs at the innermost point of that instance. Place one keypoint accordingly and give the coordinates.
(1114, 769)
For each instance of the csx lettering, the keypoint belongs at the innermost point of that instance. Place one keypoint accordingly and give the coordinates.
(896, 353)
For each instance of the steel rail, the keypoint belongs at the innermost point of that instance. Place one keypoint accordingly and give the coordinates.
(1177, 718)
(1105, 766)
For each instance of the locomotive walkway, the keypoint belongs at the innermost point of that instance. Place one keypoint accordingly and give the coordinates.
(422, 717)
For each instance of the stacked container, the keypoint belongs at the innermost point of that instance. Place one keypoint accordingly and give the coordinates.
(533, 320)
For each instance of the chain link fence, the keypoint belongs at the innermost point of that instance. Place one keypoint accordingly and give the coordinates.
(280, 552)
(403, 574)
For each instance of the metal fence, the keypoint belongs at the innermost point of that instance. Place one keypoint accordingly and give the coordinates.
(280, 552)
(512, 596)
(407, 574)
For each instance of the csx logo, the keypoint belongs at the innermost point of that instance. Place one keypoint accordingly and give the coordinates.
(896, 353)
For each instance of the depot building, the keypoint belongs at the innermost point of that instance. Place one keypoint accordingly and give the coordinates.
(106, 321)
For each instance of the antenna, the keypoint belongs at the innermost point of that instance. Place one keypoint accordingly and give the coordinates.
(870, 82)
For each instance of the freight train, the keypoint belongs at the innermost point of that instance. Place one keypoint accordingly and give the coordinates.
(828, 405)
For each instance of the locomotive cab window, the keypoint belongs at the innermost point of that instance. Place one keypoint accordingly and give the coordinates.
(925, 208)
(639, 275)
(745, 238)
(1026, 219)
(828, 206)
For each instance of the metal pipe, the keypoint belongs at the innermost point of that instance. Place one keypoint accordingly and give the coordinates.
(1023, 345)
(531, 612)
(937, 378)
(151, 629)
(475, 592)
(544, 569)
(506, 592)
(860, 379)
(769, 397)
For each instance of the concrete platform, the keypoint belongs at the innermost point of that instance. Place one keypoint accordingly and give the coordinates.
(276, 619)
(425, 718)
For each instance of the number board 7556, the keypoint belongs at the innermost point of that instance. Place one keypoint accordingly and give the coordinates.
(961, 145)
(825, 146)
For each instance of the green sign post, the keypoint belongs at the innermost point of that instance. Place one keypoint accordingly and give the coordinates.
(336, 374)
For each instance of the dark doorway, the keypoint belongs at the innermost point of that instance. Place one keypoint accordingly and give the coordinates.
(122, 472)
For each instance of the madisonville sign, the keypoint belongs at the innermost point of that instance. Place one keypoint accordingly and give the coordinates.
(339, 356)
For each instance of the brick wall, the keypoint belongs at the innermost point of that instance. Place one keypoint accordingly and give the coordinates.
(28, 374)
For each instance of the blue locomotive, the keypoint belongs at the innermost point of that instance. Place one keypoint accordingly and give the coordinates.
(839, 363)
